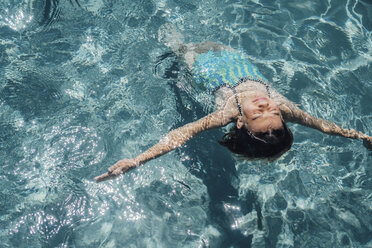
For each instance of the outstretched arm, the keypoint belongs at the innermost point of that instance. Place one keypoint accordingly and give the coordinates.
(292, 113)
(172, 140)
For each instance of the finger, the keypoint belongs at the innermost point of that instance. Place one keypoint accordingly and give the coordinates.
(111, 168)
(118, 171)
(114, 167)
(101, 177)
(104, 177)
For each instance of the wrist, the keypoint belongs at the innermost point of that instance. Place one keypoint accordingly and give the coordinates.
(136, 161)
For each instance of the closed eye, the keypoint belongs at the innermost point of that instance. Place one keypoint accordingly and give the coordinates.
(275, 112)
(256, 116)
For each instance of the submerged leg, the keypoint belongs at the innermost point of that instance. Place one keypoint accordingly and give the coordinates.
(172, 38)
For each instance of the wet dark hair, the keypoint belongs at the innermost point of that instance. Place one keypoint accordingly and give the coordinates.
(270, 144)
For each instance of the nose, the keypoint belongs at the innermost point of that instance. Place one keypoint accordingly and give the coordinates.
(263, 104)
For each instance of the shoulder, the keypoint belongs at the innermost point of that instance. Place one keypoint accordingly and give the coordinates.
(226, 104)
(289, 110)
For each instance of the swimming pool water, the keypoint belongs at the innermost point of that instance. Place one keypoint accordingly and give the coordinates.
(85, 83)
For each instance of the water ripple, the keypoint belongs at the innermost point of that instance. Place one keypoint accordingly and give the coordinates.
(51, 12)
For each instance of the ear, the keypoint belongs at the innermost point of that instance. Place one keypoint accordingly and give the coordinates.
(239, 122)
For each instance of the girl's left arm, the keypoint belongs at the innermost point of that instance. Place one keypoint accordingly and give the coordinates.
(294, 114)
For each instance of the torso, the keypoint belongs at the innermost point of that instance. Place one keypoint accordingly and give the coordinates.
(215, 69)
(219, 71)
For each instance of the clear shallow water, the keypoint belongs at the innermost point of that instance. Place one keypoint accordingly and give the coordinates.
(85, 83)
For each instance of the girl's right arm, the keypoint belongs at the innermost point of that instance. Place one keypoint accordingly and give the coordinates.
(171, 141)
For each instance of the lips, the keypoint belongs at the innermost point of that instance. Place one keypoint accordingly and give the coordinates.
(259, 99)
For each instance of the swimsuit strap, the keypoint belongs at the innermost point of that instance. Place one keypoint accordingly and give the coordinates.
(267, 88)
(240, 109)
(242, 80)
(258, 81)
(236, 100)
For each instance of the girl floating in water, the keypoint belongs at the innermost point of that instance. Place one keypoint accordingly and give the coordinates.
(243, 96)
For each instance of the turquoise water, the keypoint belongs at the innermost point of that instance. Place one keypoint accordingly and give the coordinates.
(85, 83)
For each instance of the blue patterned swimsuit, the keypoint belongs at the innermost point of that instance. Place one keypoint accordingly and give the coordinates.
(213, 70)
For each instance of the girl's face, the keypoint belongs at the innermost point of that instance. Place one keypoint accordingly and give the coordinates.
(260, 114)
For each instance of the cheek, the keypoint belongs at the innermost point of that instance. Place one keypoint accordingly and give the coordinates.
(277, 123)
(248, 110)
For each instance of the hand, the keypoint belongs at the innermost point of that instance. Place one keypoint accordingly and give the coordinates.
(367, 142)
(120, 167)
